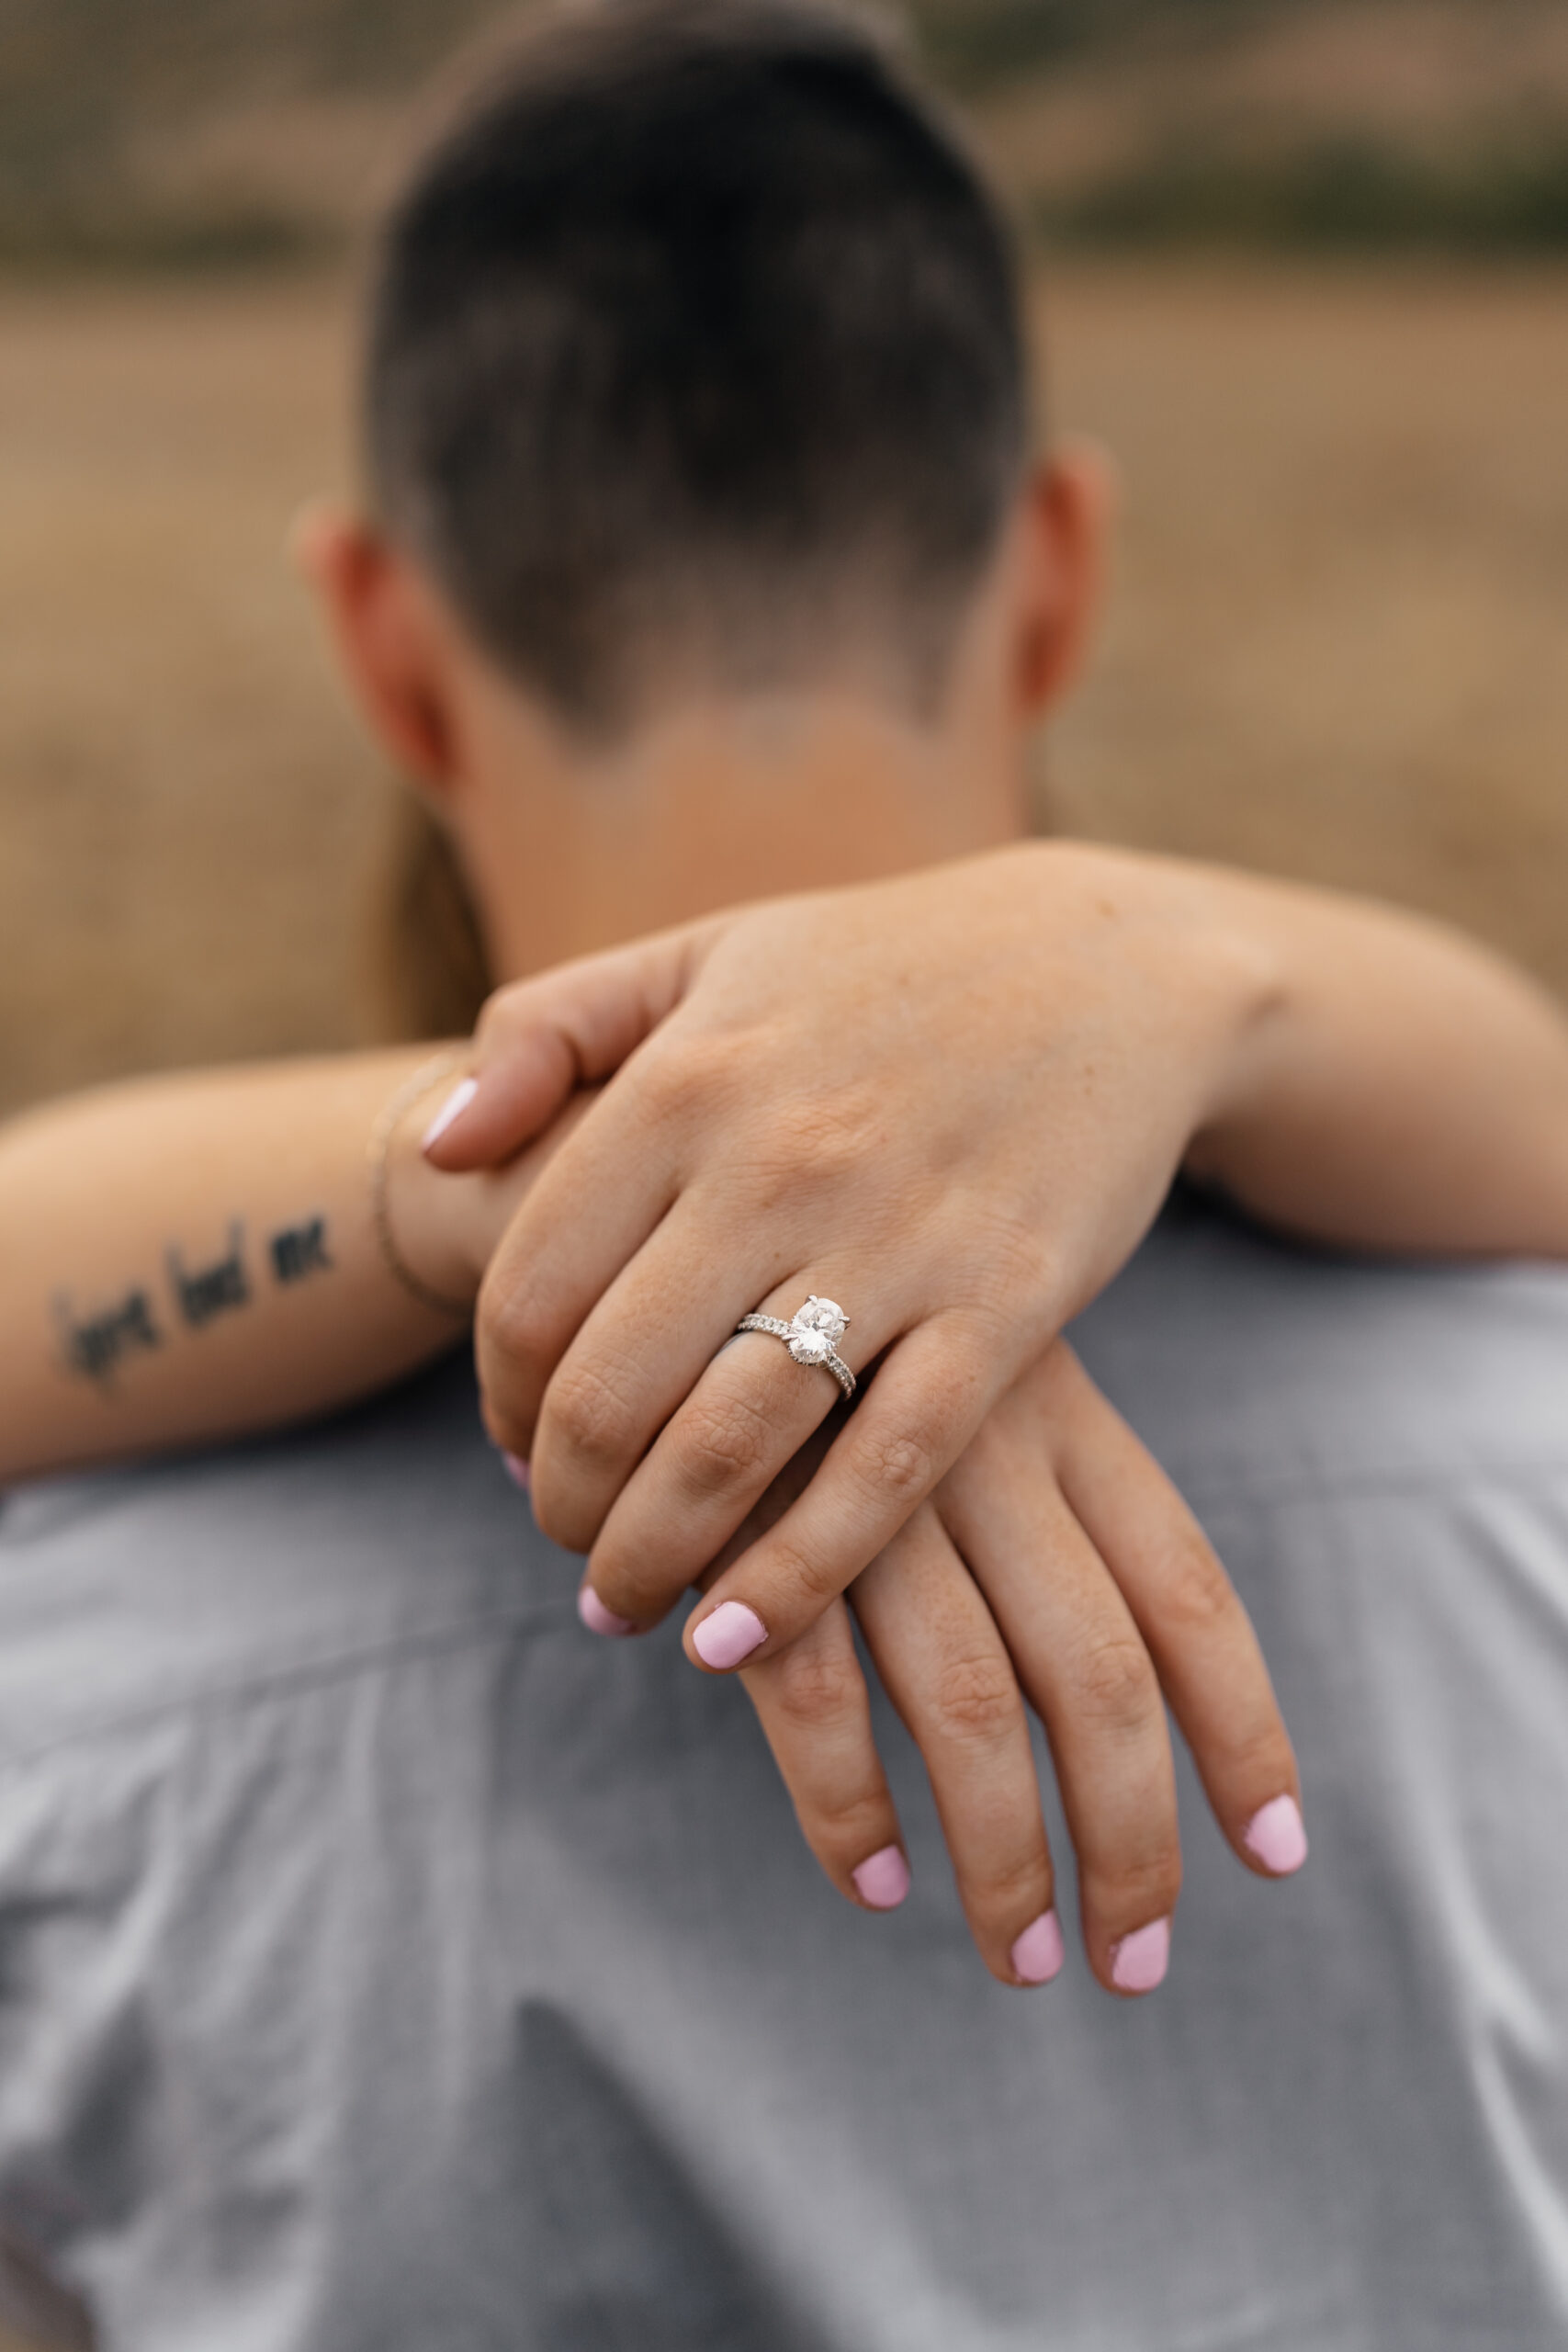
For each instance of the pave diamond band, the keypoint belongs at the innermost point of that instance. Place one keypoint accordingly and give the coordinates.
(812, 1338)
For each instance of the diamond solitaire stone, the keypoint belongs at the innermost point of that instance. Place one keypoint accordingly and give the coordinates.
(817, 1328)
(812, 1336)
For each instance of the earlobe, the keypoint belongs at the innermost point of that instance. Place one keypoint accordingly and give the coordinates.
(385, 636)
(1065, 525)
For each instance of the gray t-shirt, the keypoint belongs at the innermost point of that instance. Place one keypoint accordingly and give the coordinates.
(388, 1966)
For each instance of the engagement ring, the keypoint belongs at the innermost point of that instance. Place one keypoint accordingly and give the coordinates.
(812, 1338)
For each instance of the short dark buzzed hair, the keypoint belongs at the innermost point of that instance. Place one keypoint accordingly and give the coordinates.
(695, 347)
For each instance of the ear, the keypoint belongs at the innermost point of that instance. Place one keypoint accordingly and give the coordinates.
(1064, 544)
(389, 637)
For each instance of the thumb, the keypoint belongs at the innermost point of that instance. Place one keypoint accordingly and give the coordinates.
(541, 1039)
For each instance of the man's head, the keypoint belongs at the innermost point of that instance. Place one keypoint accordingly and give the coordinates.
(696, 388)
(695, 352)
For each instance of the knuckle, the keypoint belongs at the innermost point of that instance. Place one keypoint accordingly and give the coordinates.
(588, 1415)
(1019, 1889)
(666, 1083)
(832, 1138)
(899, 1465)
(1142, 1890)
(718, 1443)
(693, 1072)
(1196, 1597)
(1113, 1684)
(974, 1698)
(810, 1578)
(821, 1148)
(814, 1686)
(845, 1828)
(515, 1323)
(1015, 1271)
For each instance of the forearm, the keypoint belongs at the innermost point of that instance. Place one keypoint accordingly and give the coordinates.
(1402, 1088)
(190, 1256)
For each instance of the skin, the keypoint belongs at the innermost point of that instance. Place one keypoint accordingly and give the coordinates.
(955, 1099)
(567, 845)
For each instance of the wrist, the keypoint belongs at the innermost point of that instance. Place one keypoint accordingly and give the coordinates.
(1245, 951)
(450, 1226)
(1189, 953)
(428, 1217)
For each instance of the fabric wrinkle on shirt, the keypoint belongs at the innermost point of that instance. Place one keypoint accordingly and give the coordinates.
(384, 1963)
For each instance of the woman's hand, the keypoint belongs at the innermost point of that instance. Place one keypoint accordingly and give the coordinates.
(952, 1102)
(1055, 1567)
(1055, 1564)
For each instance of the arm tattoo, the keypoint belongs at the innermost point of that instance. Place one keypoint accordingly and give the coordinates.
(298, 1250)
(212, 1290)
(95, 1344)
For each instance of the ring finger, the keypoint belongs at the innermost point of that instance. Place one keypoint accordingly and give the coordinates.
(946, 1669)
(750, 1412)
(1084, 1666)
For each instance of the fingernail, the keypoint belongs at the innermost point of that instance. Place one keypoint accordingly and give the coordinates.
(882, 1878)
(456, 1103)
(596, 1617)
(1039, 1953)
(731, 1634)
(516, 1470)
(1139, 1961)
(1278, 1836)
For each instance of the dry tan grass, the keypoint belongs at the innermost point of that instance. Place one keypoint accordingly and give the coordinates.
(185, 806)
(1335, 648)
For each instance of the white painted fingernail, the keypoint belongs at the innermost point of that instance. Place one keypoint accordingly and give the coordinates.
(456, 1103)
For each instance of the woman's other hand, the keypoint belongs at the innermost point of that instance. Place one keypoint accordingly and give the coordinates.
(1056, 1567)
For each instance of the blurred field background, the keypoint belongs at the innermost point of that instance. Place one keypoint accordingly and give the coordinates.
(1302, 264)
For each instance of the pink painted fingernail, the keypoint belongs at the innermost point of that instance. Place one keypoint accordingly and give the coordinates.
(882, 1878)
(1139, 1961)
(1039, 1953)
(731, 1634)
(456, 1103)
(516, 1470)
(596, 1617)
(1278, 1836)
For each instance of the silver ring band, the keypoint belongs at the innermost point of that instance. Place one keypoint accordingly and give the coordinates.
(811, 1337)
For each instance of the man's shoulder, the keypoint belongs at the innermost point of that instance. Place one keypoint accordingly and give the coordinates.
(1249, 1367)
(174, 1582)
(1252, 1366)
